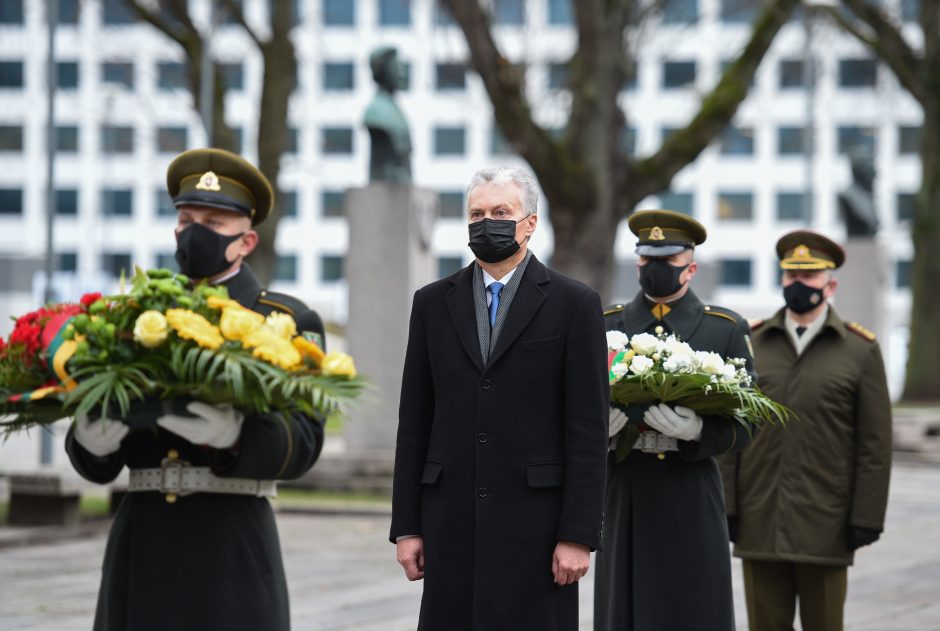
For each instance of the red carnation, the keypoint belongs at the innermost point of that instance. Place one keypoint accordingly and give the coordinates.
(87, 299)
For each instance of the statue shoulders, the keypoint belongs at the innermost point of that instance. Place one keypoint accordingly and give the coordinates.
(384, 113)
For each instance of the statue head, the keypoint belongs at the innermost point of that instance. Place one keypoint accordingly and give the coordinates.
(861, 163)
(387, 71)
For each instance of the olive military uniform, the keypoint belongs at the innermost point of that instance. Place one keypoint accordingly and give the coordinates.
(204, 561)
(806, 494)
(664, 563)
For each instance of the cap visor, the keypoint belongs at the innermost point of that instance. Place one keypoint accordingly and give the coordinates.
(659, 250)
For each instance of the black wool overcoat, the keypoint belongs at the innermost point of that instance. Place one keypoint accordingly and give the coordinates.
(496, 463)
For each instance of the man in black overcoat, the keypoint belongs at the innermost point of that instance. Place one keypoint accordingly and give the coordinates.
(194, 545)
(499, 466)
(665, 562)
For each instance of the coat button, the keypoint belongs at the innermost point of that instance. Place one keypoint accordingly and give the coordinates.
(482, 492)
(481, 438)
(486, 384)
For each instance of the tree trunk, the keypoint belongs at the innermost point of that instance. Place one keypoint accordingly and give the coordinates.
(584, 245)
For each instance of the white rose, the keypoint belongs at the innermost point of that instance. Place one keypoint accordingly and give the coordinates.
(728, 373)
(619, 369)
(674, 347)
(710, 363)
(644, 343)
(678, 363)
(640, 364)
(617, 340)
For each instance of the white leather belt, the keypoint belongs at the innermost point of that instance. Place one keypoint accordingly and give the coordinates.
(651, 442)
(178, 478)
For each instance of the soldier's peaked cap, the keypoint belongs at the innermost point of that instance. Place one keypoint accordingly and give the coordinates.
(215, 178)
(665, 232)
(804, 249)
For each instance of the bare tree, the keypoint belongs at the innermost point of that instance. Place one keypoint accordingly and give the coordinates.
(590, 181)
(279, 77)
(917, 69)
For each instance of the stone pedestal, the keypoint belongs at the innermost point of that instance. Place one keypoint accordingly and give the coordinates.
(389, 258)
(863, 285)
(42, 500)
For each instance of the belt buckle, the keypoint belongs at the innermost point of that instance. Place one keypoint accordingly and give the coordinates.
(170, 489)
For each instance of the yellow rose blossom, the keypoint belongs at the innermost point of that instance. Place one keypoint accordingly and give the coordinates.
(340, 364)
(308, 349)
(282, 324)
(237, 322)
(150, 329)
(270, 347)
(217, 302)
(192, 326)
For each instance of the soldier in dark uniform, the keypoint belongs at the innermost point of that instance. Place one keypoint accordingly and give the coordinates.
(804, 497)
(665, 561)
(183, 559)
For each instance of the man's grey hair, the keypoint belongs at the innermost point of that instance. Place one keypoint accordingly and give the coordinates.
(504, 175)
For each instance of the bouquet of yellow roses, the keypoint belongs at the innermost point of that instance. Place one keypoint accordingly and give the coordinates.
(133, 354)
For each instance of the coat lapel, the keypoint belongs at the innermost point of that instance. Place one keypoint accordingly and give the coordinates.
(463, 313)
(685, 316)
(636, 316)
(244, 287)
(527, 301)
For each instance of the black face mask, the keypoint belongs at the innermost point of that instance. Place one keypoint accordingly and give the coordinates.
(659, 278)
(200, 251)
(801, 298)
(494, 240)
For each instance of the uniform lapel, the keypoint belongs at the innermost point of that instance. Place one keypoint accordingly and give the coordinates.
(526, 303)
(686, 315)
(244, 287)
(636, 316)
(460, 304)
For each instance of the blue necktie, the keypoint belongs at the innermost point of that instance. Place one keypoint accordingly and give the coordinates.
(494, 289)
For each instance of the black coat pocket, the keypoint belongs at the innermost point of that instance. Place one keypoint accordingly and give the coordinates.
(431, 472)
(545, 474)
(543, 344)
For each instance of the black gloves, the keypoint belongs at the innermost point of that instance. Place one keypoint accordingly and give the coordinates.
(857, 537)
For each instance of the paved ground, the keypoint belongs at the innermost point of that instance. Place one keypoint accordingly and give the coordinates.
(343, 576)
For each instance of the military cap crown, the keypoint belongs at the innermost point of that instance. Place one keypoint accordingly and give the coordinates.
(216, 178)
(804, 249)
(665, 232)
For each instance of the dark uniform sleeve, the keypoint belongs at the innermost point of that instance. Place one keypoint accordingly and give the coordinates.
(100, 470)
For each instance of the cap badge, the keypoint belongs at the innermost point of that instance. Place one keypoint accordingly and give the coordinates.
(801, 251)
(656, 234)
(209, 182)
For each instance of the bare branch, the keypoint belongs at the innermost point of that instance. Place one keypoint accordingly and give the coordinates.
(235, 10)
(160, 22)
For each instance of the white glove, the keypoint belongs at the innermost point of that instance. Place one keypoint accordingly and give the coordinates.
(217, 426)
(681, 423)
(617, 421)
(100, 437)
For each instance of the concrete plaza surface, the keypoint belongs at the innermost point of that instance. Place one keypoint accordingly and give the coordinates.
(343, 576)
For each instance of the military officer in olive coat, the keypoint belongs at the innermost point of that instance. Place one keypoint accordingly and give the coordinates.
(805, 496)
(665, 562)
(194, 546)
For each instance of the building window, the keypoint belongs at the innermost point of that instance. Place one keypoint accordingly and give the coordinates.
(331, 204)
(447, 265)
(118, 73)
(337, 141)
(499, 146)
(678, 74)
(67, 75)
(66, 202)
(338, 76)
(790, 141)
(628, 140)
(793, 206)
(66, 262)
(172, 139)
(238, 138)
(167, 260)
(857, 73)
(851, 138)
(287, 203)
(331, 268)
(735, 206)
(667, 132)
(737, 141)
(117, 202)
(735, 272)
(680, 11)
(738, 11)
(116, 263)
(339, 12)
(68, 12)
(560, 12)
(791, 74)
(11, 11)
(117, 139)
(11, 201)
(395, 12)
(117, 12)
(679, 202)
(449, 141)
(902, 274)
(11, 74)
(66, 137)
(292, 145)
(171, 75)
(442, 16)
(285, 269)
(909, 139)
(11, 138)
(451, 204)
(233, 76)
(906, 206)
(509, 12)
(910, 10)
(164, 203)
(558, 76)
(450, 77)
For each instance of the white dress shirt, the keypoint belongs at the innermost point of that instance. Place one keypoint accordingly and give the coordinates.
(800, 342)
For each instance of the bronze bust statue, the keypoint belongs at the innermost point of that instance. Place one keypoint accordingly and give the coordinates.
(390, 158)
(857, 203)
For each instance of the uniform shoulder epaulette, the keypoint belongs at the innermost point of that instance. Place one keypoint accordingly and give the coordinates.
(282, 302)
(860, 331)
(756, 323)
(721, 312)
(612, 309)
